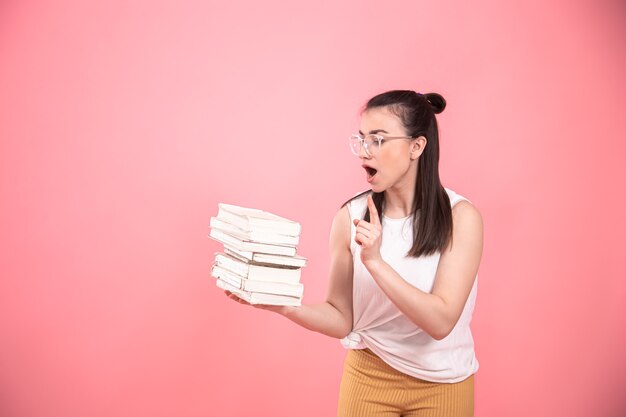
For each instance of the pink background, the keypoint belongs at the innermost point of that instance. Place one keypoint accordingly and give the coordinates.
(123, 124)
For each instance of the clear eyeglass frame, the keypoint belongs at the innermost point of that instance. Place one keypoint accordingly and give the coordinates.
(371, 143)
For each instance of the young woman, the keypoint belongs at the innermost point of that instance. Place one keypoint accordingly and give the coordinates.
(403, 268)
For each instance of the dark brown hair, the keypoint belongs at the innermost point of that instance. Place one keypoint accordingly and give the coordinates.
(431, 211)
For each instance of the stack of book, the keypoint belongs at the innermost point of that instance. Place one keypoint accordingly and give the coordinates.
(259, 263)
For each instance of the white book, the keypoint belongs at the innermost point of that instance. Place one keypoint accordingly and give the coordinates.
(295, 261)
(259, 298)
(254, 236)
(254, 219)
(245, 245)
(257, 272)
(266, 287)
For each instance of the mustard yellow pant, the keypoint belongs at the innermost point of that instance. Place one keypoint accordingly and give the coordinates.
(370, 387)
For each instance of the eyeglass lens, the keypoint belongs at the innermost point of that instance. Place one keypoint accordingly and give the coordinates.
(370, 142)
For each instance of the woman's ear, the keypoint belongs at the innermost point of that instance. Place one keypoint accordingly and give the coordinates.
(417, 146)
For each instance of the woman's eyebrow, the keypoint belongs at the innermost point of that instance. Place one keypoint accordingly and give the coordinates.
(373, 132)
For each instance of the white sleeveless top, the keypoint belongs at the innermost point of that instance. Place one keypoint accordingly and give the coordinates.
(385, 330)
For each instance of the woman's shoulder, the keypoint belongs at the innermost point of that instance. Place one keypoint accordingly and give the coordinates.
(341, 227)
(357, 204)
(360, 196)
(463, 208)
(455, 197)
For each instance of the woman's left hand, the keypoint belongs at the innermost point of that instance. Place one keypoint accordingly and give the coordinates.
(368, 235)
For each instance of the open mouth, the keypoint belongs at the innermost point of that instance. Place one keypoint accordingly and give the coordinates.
(370, 172)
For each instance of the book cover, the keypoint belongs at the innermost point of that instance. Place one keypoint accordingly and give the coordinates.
(259, 298)
(258, 272)
(295, 261)
(254, 219)
(253, 236)
(247, 246)
(266, 287)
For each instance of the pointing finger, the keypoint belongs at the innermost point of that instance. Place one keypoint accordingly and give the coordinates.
(373, 212)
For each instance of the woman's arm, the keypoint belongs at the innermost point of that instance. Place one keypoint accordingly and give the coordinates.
(334, 316)
(437, 312)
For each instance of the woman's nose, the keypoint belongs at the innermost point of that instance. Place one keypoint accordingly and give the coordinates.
(363, 152)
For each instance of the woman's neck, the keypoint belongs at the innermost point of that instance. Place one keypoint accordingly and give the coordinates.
(399, 199)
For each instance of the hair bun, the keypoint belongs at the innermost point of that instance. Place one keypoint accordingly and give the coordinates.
(437, 102)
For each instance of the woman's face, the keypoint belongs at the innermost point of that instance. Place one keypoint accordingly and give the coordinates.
(394, 163)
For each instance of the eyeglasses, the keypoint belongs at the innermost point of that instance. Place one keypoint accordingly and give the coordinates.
(371, 143)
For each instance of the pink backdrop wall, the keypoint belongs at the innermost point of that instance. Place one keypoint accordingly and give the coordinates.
(123, 124)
